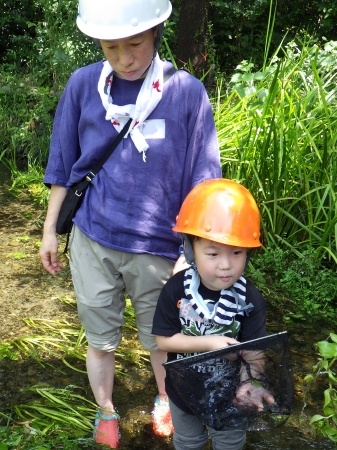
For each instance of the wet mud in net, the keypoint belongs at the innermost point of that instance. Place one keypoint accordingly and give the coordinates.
(247, 386)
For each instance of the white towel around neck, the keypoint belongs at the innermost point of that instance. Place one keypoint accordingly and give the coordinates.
(148, 98)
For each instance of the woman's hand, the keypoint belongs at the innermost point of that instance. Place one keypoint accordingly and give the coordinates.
(48, 254)
(49, 246)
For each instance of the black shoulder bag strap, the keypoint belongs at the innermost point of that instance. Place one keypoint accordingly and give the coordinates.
(78, 189)
(83, 185)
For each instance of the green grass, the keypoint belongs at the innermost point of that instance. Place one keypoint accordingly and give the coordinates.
(276, 136)
(57, 418)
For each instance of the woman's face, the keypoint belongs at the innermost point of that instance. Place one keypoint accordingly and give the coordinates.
(130, 57)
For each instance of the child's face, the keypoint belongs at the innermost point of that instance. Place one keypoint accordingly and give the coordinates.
(219, 265)
(130, 57)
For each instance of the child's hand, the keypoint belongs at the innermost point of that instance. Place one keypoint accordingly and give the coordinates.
(215, 342)
(252, 397)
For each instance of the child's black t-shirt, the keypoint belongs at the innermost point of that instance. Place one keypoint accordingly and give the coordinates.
(167, 319)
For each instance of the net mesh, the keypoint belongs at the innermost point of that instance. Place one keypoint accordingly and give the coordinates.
(247, 386)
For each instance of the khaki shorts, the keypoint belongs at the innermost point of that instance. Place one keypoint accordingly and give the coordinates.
(101, 276)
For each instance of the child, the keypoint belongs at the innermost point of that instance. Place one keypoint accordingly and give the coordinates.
(211, 304)
(122, 239)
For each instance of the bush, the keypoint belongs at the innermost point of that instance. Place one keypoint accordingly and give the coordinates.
(26, 118)
(301, 287)
(240, 28)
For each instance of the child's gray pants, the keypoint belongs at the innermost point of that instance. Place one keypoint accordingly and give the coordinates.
(191, 434)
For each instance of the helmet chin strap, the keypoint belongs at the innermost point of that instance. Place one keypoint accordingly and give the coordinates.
(98, 43)
(188, 249)
(249, 254)
(158, 37)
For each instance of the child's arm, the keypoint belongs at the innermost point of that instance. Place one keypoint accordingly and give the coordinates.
(181, 343)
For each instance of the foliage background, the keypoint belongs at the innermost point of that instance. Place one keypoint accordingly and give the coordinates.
(38, 31)
(273, 91)
(240, 28)
(273, 94)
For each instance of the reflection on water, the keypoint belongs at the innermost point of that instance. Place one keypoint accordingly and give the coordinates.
(294, 434)
(284, 438)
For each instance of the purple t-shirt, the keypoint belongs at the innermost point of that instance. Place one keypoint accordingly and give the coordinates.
(131, 205)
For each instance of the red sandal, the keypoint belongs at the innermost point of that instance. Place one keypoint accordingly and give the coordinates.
(107, 430)
(161, 418)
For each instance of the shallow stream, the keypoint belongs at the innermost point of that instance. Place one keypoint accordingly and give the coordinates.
(27, 291)
(135, 390)
(294, 434)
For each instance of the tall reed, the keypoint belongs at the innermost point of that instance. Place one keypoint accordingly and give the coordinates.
(277, 136)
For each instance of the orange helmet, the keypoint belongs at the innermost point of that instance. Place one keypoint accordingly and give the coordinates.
(222, 211)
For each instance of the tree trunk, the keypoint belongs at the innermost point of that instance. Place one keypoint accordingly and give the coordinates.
(193, 34)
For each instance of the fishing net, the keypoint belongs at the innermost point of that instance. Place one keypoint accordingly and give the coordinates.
(246, 386)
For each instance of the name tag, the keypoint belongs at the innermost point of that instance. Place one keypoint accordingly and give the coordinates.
(154, 129)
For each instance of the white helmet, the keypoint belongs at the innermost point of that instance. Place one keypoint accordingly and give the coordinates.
(112, 19)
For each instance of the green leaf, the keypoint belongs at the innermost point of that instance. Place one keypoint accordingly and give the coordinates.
(327, 397)
(324, 365)
(236, 77)
(247, 77)
(328, 411)
(256, 384)
(332, 431)
(327, 349)
(333, 337)
(308, 378)
(259, 75)
(316, 418)
(332, 376)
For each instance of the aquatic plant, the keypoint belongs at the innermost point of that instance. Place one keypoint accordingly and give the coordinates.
(326, 368)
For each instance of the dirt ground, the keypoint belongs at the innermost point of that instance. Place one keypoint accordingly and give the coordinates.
(27, 291)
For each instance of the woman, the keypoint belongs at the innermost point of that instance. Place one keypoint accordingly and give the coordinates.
(122, 239)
